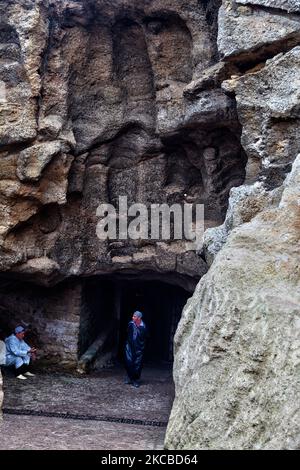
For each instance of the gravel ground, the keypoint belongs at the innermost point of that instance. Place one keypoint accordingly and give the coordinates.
(39, 433)
(94, 395)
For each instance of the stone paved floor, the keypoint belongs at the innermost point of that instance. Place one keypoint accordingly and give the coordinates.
(102, 394)
(39, 433)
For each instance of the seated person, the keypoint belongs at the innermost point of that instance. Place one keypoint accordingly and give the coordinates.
(19, 353)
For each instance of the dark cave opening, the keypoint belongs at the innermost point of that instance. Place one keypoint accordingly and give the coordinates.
(81, 318)
(108, 307)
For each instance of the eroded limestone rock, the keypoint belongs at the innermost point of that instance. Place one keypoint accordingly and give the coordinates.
(248, 32)
(287, 5)
(100, 99)
(268, 103)
(108, 116)
(23, 33)
(245, 202)
(33, 160)
(237, 346)
(238, 343)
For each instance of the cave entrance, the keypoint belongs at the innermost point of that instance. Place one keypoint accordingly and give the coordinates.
(108, 307)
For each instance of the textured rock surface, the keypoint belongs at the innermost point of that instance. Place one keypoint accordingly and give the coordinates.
(161, 101)
(248, 32)
(52, 313)
(268, 107)
(287, 5)
(244, 203)
(94, 108)
(238, 343)
(268, 104)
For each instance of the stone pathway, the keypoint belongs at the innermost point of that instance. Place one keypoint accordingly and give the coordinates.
(99, 394)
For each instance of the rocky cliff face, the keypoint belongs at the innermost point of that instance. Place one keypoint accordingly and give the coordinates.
(161, 101)
(99, 100)
(96, 106)
(237, 346)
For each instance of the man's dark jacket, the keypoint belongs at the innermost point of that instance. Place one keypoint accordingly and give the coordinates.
(134, 349)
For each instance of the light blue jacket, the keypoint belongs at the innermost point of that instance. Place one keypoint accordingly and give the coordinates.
(16, 351)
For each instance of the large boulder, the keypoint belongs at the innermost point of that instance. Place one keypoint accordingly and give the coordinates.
(237, 346)
(238, 343)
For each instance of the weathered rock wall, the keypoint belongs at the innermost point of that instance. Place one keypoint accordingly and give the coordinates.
(94, 107)
(98, 100)
(238, 344)
(162, 101)
(52, 316)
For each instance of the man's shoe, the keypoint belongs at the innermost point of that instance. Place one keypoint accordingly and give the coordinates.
(135, 384)
(29, 374)
(21, 377)
(128, 382)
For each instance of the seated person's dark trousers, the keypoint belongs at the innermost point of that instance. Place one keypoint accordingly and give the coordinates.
(22, 370)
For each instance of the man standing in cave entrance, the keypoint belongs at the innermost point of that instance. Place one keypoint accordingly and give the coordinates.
(19, 354)
(134, 349)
